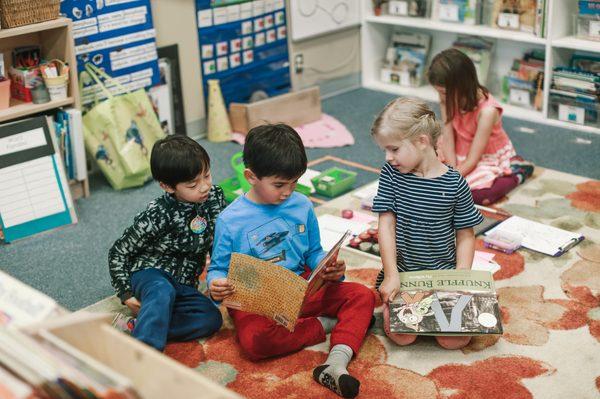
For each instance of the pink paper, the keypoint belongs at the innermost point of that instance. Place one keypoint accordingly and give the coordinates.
(327, 132)
(363, 217)
(484, 255)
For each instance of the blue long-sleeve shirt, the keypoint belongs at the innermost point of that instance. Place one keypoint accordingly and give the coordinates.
(286, 234)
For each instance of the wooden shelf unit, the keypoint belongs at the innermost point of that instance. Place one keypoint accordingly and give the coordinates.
(56, 41)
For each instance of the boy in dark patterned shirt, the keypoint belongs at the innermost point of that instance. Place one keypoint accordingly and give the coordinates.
(154, 267)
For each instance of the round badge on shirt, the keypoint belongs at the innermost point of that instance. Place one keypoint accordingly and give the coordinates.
(198, 225)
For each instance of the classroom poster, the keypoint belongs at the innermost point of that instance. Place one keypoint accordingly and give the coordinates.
(243, 44)
(117, 36)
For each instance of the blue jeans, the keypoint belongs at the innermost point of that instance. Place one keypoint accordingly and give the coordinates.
(171, 311)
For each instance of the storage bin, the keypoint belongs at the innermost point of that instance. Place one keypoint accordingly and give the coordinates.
(15, 13)
(517, 17)
(334, 181)
(408, 8)
(466, 12)
(231, 188)
(587, 26)
(574, 111)
(152, 374)
(237, 163)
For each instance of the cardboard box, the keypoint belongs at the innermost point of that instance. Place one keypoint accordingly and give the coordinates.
(294, 109)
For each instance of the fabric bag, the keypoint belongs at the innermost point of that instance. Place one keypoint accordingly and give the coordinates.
(120, 132)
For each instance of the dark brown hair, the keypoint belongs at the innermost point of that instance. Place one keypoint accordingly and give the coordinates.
(454, 71)
(178, 159)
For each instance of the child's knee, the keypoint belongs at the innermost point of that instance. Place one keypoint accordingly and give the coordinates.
(214, 321)
(254, 346)
(401, 339)
(363, 294)
(452, 343)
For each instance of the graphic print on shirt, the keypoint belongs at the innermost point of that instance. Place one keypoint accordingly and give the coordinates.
(271, 241)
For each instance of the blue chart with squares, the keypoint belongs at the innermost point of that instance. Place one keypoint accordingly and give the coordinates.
(244, 45)
(117, 36)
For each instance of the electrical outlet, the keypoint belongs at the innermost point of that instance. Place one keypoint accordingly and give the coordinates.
(298, 63)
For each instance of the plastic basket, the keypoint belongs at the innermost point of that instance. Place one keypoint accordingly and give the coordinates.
(237, 163)
(15, 13)
(231, 188)
(334, 182)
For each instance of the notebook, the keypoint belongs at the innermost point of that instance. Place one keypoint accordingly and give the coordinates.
(540, 237)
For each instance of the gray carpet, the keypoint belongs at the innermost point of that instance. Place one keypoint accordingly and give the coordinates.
(70, 264)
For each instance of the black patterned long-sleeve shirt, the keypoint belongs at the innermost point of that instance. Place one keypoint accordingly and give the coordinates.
(170, 235)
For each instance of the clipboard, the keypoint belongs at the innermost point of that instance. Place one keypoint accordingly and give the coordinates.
(539, 237)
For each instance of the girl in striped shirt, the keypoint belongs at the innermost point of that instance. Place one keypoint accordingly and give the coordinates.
(426, 210)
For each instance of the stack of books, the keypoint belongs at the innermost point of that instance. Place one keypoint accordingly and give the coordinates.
(524, 84)
(68, 127)
(405, 59)
(575, 91)
(479, 50)
(44, 366)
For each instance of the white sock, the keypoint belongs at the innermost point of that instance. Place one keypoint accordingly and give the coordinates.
(333, 374)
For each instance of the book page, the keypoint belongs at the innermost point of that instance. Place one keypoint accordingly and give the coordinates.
(21, 304)
(315, 281)
(266, 289)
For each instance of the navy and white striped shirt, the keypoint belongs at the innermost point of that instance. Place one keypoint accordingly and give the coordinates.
(428, 213)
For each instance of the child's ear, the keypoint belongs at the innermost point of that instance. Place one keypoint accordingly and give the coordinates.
(424, 141)
(250, 176)
(166, 187)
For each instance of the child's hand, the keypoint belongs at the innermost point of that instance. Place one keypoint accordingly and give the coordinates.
(335, 271)
(134, 305)
(389, 287)
(220, 288)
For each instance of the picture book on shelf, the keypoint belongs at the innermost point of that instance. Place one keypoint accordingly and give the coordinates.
(446, 302)
(405, 59)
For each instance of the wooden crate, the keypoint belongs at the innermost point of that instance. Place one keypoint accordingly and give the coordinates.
(294, 109)
(154, 375)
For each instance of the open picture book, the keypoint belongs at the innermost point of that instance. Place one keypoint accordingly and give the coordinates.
(446, 302)
(273, 291)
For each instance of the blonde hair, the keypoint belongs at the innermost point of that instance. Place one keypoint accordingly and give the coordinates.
(407, 118)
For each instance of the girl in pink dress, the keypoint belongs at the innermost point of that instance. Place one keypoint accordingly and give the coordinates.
(473, 140)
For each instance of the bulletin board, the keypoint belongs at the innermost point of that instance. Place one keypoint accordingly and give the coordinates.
(117, 36)
(243, 44)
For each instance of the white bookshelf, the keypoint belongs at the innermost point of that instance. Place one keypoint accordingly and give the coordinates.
(558, 45)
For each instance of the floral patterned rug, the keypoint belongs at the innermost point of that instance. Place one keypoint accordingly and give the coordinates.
(550, 310)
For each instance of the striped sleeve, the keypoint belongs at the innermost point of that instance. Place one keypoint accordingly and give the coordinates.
(384, 200)
(465, 213)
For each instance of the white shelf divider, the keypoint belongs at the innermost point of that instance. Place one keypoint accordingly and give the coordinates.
(575, 43)
(478, 30)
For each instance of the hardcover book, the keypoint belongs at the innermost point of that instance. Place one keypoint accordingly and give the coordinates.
(446, 302)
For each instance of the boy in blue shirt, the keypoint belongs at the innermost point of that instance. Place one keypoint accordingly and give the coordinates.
(155, 265)
(274, 223)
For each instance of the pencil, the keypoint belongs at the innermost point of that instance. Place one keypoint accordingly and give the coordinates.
(492, 210)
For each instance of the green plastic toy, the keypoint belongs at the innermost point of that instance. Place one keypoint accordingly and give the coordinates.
(232, 185)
